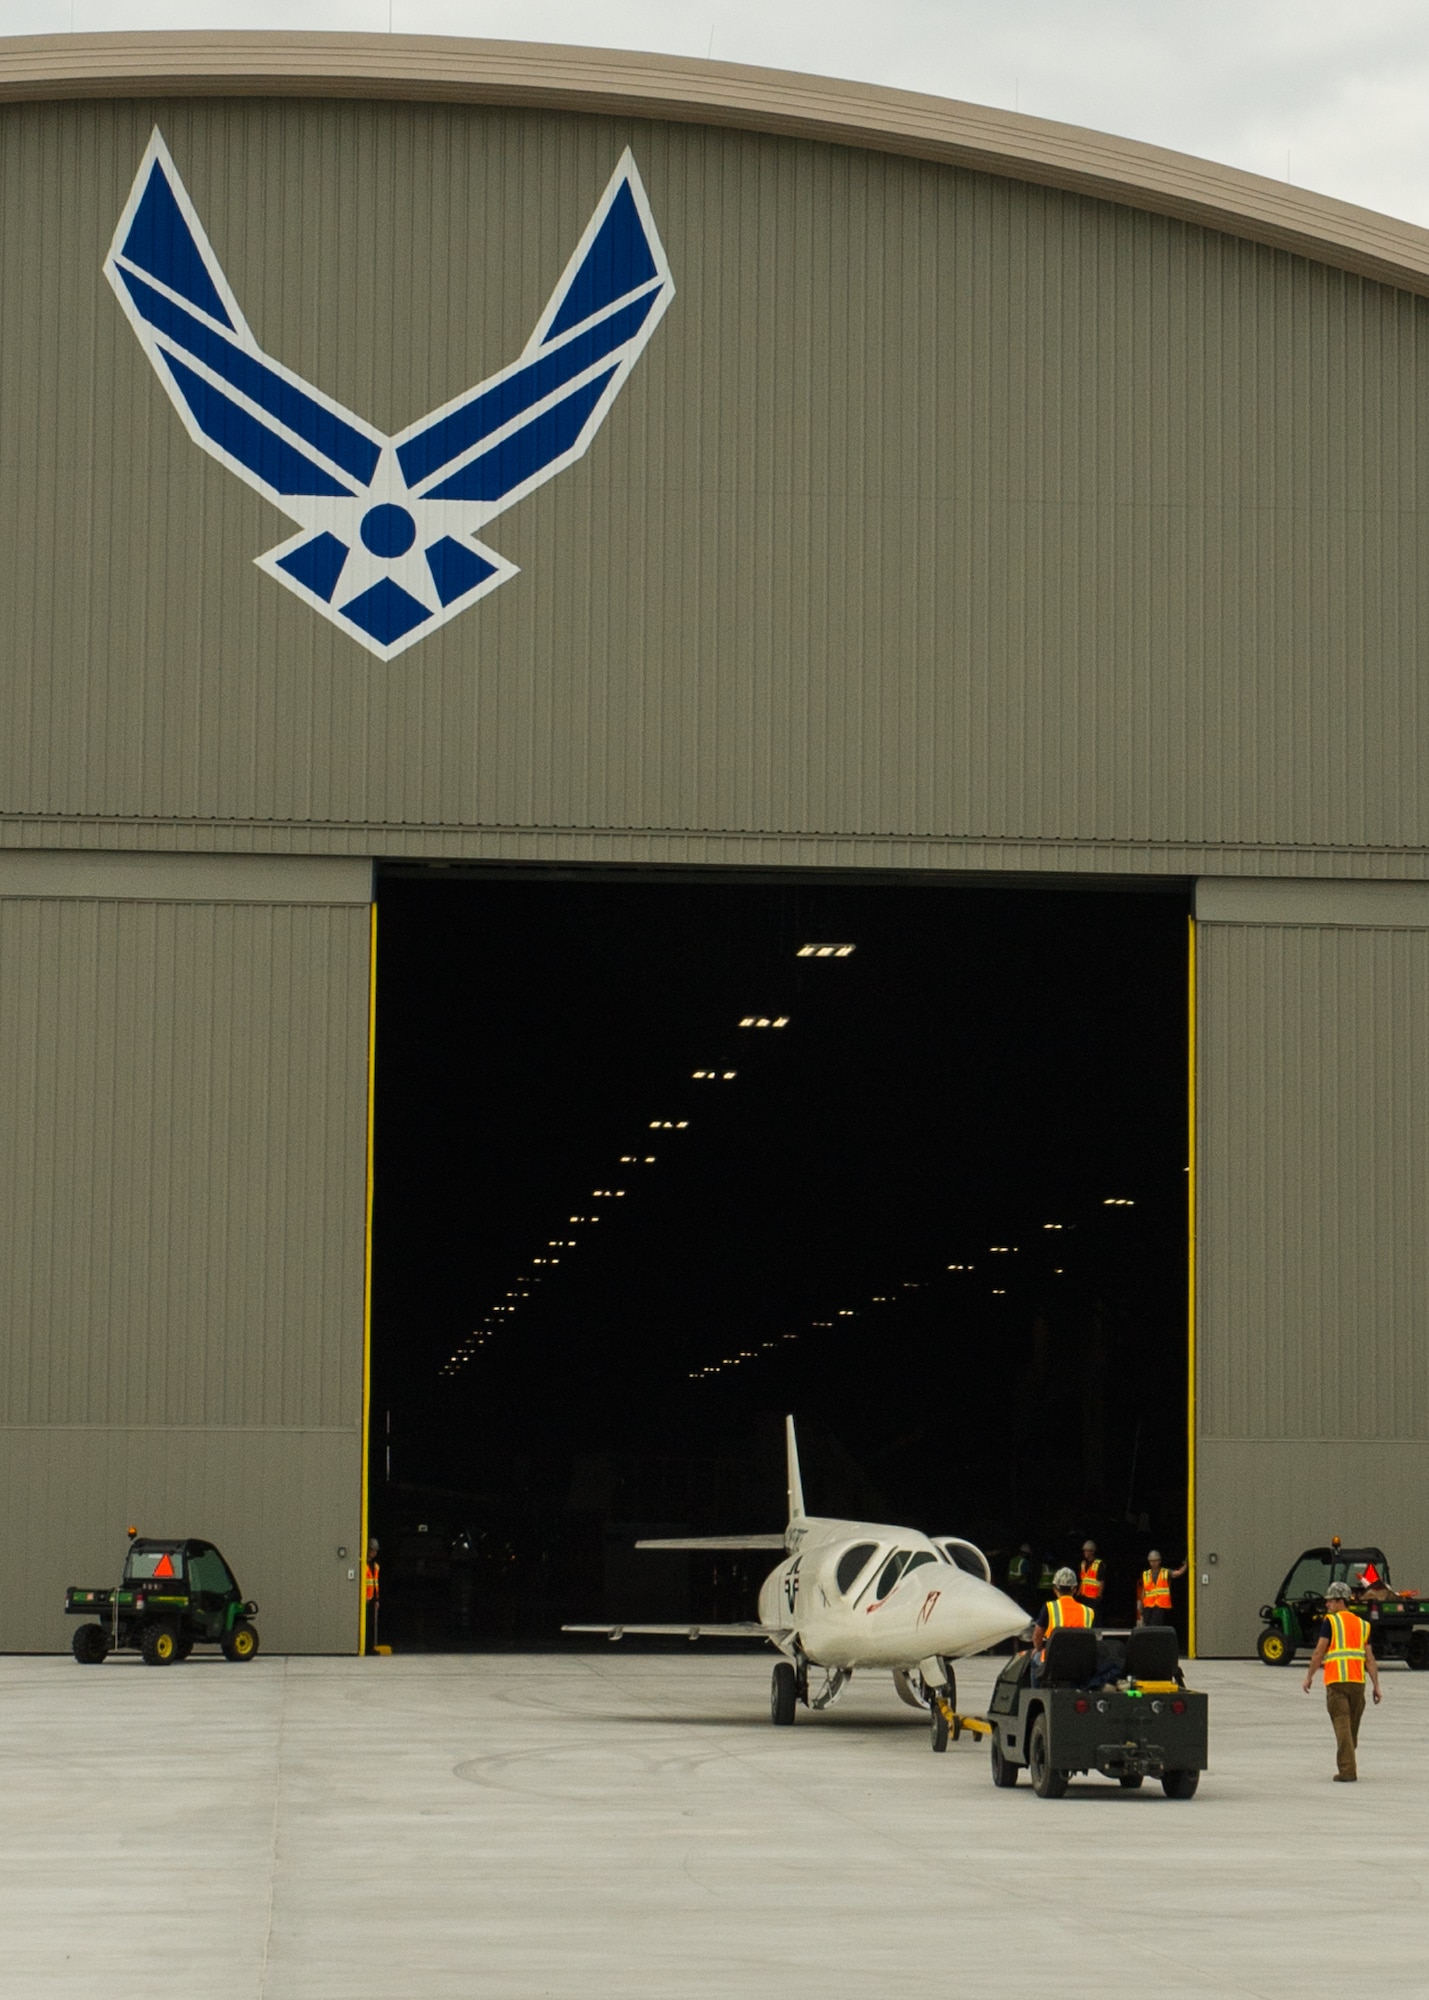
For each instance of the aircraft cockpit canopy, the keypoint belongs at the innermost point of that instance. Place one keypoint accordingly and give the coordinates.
(966, 1556)
(852, 1564)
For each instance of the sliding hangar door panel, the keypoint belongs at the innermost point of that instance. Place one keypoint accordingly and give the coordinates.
(182, 1213)
(1312, 1392)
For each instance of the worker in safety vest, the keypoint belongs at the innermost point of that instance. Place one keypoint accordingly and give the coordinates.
(372, 1590)
(1064, 1609)
(1019, 1576)
(1344, 1651)
(1153, 1593)
(1091, 1584)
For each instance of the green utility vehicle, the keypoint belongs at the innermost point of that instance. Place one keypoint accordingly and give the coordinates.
(172, 1597)
(1398, 1620)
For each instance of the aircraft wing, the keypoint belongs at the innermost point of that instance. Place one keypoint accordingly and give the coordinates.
(713, 1542)
(747, 1628)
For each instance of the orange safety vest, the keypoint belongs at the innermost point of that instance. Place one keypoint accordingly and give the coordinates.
(1156, 1591)
(1065, 1611)
(1091, 1583)
(1345, 1659)
(372, 1573)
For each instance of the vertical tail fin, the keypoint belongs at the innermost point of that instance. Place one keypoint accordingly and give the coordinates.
(796, 1485)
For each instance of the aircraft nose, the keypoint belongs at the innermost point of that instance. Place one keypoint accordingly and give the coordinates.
(978, 1616)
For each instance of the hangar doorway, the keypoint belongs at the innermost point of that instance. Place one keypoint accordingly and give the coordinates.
(660, 1158)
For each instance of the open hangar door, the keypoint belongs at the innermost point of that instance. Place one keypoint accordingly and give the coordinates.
(659, 1158)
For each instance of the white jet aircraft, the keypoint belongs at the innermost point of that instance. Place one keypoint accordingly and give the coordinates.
(855, 1594)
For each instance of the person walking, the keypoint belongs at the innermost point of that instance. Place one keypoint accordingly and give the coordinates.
(1091, 1583)
(1153, 1593)
(1343, 1649)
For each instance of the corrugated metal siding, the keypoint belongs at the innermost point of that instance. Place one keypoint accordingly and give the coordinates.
(1261, 1501)
(279, 1503)
(1313, 1279)
(182, 1089)
(939, 507)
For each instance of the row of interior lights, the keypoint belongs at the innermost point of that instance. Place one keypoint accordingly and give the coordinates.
(736, 1360)
(479, 1335)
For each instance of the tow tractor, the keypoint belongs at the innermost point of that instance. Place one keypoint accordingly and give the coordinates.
(1398, 1620)
(1144, 1724)
(173, 1596)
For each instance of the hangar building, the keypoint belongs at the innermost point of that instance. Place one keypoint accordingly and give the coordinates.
(995, 499)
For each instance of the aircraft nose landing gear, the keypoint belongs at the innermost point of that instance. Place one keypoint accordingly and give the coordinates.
(783, 1694)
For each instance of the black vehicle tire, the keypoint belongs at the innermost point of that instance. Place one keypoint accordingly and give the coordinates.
(1180, 1784)
(1274, 1648)
(1004, 1771)
(186, 1646)
(783, 1694)
(1418, 1652)
(159, 1644)
(1046, 1783)
(90, 1645)
(241, 1643)
(1131, 1782)
(938, 1720)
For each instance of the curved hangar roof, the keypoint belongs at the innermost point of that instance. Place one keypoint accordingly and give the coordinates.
(540, 77)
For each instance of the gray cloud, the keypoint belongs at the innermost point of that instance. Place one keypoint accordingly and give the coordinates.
(1336, 95)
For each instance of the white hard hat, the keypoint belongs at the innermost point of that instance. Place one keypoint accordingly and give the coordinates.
(1065, 1579)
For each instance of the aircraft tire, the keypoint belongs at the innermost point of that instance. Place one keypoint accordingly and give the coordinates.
(1004, 1771)
(1046, 1782)
(939, 1720)
(783, 1694)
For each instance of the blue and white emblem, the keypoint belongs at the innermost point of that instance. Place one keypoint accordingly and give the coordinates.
(387, 545)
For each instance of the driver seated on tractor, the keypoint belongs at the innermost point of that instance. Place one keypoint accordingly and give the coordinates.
(1065, 1609)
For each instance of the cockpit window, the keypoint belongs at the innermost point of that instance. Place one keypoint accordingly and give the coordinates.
(923, 1556)
(890, 1574)
(852, 1564)
(967, 1557)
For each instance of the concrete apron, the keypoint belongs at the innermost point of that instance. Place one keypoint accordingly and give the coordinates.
(565, 1827)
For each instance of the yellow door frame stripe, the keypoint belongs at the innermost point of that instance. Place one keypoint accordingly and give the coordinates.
(1191, 1285)
(367, 1275)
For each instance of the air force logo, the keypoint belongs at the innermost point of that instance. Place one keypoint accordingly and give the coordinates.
(387, 545)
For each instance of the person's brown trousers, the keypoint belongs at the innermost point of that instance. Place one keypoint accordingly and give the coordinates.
(1345, 1701)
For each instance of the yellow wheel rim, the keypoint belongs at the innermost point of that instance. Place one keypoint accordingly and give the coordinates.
(1274, 1647)
(164, 1646)
(243, 1643)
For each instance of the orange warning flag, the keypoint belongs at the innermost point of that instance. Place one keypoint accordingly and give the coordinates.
(1371, 1574)
(163, 1567)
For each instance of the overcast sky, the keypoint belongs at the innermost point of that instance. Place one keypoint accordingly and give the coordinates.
(1331, 96)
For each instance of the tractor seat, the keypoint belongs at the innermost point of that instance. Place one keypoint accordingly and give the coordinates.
(1153, 1654)
(1071, 1657)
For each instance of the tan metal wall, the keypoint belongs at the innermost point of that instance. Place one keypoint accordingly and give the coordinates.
(1313, 1273)
(183, 1063)
(945, 519)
